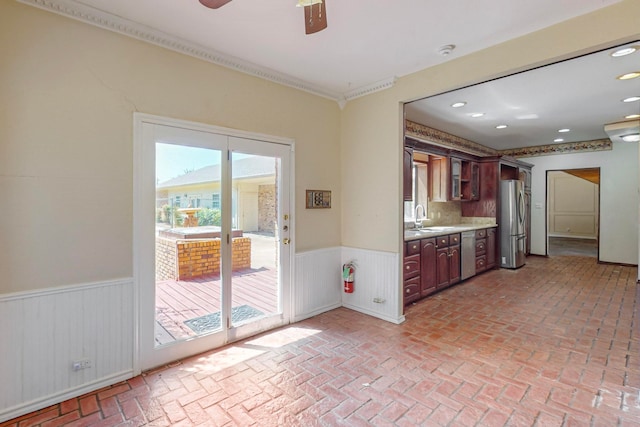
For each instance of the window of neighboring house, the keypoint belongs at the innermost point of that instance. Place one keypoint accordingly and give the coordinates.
(215, 201)
(177, 201)
(420, 194)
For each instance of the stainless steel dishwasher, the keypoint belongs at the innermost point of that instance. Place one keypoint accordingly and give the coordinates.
(468, 249)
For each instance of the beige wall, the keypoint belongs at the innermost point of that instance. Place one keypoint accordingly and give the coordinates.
(69, 91)
(371, 126)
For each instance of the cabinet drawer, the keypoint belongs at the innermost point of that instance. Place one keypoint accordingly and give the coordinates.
(411, 290)
(481, 234)
(481, 247)
(411, 266)
(454, 239)
(442, 241)
(481, 263)
(412, 247)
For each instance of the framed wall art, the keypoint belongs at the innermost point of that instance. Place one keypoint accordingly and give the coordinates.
(318, 199)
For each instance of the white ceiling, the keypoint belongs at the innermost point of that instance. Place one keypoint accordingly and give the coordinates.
(581, 94)
(367, 44)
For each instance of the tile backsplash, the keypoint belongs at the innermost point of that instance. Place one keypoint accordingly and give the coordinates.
(450, 213)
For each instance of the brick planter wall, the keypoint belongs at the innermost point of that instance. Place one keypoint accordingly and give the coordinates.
(187, 259)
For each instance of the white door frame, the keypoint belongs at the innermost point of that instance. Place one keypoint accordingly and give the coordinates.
(142, 271)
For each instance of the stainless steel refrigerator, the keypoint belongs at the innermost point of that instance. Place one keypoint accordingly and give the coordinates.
(512, 224)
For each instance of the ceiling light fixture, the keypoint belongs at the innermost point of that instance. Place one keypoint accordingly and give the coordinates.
(501, 127)
(565, 130)
(558, 140)
(629, 76)
(624, 51)
(458, 104)
(632, 116)
(631, 99)
(634, 137)
(476, 115)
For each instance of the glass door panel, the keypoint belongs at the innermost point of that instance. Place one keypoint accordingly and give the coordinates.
(188, 242)
(255, 289)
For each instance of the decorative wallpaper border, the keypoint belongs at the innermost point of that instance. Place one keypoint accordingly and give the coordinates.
(438, 137)
(566, 148)
(435, 136)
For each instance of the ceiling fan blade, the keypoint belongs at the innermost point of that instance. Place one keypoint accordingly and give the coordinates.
(214, 4)
(315, 18)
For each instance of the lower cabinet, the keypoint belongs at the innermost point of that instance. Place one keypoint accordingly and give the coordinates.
(447, 260)
(491, 247)
(428, 282)
(411, 271)
(434, 264)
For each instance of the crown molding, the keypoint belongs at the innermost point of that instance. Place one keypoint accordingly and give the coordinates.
(107, 21)
(369, 89)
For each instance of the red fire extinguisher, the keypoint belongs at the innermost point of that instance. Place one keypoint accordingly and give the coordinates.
(348, 270)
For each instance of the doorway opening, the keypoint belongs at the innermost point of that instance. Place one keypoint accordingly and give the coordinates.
(573, 212)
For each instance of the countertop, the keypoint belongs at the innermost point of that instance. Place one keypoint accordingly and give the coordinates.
(435, 231)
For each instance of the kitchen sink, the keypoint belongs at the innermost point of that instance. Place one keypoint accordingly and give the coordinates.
(437, 228)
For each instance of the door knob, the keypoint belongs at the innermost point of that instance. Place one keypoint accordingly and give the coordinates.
(286, 241)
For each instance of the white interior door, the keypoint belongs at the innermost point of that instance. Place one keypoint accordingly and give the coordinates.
(202, 280)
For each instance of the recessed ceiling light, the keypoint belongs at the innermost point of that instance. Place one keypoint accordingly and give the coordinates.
(558, 140)
(458, 104)
(624, 51)
(629, 76)
(501, 126)
(631, 99)
(634, 137)
(475, 115)
(632, 116)
(564, 130)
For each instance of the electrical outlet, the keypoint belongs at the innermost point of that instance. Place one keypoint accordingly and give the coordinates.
(77, 365)
(378, 300)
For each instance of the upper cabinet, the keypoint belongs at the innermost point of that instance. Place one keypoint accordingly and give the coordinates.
(407, 170)
(439, 174)
(456, 179)
(465, 180)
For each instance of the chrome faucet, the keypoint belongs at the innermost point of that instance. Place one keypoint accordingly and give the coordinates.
(419, 218)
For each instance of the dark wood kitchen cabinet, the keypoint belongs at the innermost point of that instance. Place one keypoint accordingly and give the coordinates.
(465, 180)
(447, 260)
(427, 266)
(491, 247)
(411, 271)
(407, 174)
(481, 250)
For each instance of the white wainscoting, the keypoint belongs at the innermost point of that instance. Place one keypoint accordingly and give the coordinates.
(43, 332)
(318, 284)
(317, 287)
(376, 277)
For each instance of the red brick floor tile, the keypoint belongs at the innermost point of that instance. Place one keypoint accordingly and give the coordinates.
(556, 342)
(89, 405)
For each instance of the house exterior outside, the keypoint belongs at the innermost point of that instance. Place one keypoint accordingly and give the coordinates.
(253, 195)
(69, 91)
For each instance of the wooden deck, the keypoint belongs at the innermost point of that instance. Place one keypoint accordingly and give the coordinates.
(180, 300)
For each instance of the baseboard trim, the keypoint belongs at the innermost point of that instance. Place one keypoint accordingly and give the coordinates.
(53, 399)
(315, 312)
(397, 321)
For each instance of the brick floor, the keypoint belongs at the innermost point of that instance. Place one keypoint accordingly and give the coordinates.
(555, 343)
